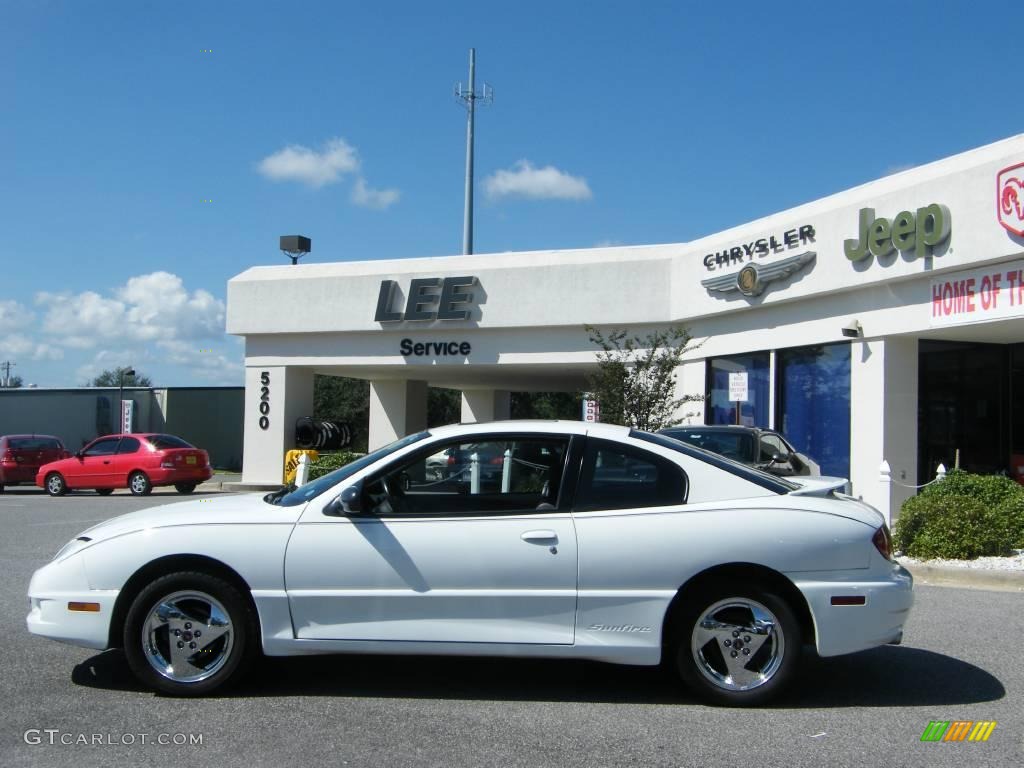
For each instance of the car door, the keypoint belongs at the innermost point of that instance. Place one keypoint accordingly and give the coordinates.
(93, 468)
(483, 556)
(124, 461)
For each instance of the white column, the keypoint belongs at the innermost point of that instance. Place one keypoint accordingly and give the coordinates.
(691, 379)
(485, 405)
(883, 420)
(397, 409)
(275, 396)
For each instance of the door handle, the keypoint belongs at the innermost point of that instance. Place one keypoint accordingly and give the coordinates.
(539, 536)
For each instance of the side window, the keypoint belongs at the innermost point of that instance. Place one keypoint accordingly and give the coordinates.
(105, 447)
(128, 445)
(771, 445)
(621, 477)
(487, 476)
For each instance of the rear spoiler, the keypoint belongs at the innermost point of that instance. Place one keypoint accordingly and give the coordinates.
(819, 486)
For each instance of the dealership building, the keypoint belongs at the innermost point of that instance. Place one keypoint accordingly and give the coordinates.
(881, 324)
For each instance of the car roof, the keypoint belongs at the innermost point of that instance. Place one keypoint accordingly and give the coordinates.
(713, 428)
(552, 426)
(34, 434)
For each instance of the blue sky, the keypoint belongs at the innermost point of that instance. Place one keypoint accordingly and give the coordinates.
(149, 151)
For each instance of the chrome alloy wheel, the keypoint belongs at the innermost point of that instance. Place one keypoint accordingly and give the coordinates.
(737, 644)
(187, 636)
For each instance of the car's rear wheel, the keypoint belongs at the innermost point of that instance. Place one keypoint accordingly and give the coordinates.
(104, 491)
(139, 484)
(185, 488)
(55, 485)
(737, 645)
(189, 633)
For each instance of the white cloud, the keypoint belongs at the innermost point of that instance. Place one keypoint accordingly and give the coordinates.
(308, 166)
(18, 346)
(147, 308)
(206, 364)
(548, 183)
(14, 315)
(368, 197)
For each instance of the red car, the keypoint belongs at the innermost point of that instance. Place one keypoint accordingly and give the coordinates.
(138, 462)
(21, 456)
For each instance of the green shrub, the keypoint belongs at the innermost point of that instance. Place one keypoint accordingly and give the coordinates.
(963, 517)
(328, 462)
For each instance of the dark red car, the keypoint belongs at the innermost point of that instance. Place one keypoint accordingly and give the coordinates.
(21, 456)
(138, 462)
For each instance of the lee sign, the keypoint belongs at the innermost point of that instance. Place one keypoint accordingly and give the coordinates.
(978, 295)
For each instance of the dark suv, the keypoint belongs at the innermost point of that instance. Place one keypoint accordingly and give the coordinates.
(761, 448)
(21, 456)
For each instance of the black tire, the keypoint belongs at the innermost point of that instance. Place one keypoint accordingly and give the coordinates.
(55, 485)
(104, 491)
(205, 604)
(184, 488)
(711, 670)
(139, 484)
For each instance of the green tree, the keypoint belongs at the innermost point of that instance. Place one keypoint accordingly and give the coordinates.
(336, 398)
(444, 406)
(635, 382)
(546, 405)
(112, 378)
(14, 382)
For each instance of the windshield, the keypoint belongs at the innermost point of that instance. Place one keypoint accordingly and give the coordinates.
(292, 496)
(756, 476)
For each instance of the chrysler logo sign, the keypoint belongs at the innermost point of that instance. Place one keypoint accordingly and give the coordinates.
(753, 279)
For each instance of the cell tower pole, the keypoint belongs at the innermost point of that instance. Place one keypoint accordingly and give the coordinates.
(470, 97)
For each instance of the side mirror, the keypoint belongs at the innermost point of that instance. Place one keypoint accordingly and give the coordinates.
(779, 458)
(347, 503)
(79, 455)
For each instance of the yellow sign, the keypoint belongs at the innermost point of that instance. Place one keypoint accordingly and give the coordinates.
(291, 463)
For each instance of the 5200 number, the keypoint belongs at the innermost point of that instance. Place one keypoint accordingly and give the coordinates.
(264, 399)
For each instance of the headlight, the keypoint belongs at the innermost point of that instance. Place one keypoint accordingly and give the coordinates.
(72, 546)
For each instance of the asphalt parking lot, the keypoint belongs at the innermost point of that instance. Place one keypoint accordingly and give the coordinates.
(961, 660)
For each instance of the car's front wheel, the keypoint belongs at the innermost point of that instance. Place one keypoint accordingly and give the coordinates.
(737, 645)
(55, 485)
(139, 484)
(189, 633)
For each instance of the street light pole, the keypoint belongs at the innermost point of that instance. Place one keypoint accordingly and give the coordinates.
(120, 397)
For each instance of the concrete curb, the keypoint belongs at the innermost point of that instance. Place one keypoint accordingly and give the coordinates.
(966, 578)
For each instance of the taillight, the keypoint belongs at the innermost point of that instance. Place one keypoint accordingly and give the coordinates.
(8, 456)
(882, 542)
(167, 464)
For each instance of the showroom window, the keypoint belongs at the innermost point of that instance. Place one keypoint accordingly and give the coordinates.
(814, 404)
(754, 411)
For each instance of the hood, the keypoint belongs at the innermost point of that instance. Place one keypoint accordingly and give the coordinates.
(214, 510)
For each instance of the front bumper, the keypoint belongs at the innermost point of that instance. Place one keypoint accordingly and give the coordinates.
(879, 621)
(52, 588)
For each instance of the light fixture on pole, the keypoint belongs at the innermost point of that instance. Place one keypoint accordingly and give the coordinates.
(296, 246)
(120, 395)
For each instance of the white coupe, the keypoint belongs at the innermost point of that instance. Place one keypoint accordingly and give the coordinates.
(553, 539)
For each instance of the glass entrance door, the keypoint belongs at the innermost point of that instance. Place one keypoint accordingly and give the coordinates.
(963, 405)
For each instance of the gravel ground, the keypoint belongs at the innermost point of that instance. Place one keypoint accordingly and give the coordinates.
(1012, 563)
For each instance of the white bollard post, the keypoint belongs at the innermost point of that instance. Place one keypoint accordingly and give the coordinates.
(506, 471)
(302, 471)
(474, 473)
(940, 472)
(885, 478)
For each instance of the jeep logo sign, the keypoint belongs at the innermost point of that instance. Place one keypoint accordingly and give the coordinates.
(430, 298)
(907, 232)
